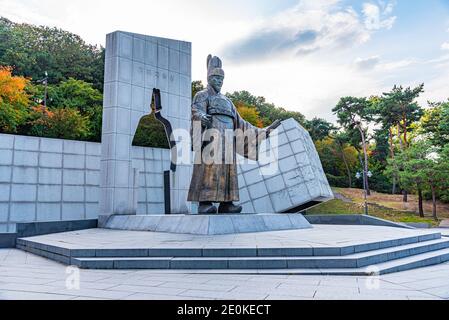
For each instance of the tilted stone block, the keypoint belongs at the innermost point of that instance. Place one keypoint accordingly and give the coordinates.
(291, 184)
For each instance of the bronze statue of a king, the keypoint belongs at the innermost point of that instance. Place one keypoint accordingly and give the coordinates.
(219, 133)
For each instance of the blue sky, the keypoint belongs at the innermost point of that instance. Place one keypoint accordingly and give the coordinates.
(420, 29)
(300, 54)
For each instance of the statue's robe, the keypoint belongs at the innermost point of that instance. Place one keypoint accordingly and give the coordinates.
(219, 182)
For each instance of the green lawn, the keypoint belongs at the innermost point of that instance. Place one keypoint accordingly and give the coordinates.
(341, 207)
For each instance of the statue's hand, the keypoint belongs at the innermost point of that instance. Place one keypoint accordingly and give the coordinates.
(273, 127)
(206, 121)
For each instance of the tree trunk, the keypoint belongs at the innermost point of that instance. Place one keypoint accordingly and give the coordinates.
(348, 171)
(399, 137)
(393, 191)
(365, 152)
(405, 146)
(390, 133)
(434, 203)
(404, 126)
(401, 143)
(420, 202)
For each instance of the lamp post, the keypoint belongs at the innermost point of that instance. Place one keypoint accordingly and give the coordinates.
(364, 175)
(45, 81)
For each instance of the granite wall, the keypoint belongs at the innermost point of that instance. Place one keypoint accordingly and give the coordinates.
(58, 180)
(135, 65)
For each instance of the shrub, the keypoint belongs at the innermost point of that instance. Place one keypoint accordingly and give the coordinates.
(151, 133)
(14, 101)
(338, 182)
(63, 123)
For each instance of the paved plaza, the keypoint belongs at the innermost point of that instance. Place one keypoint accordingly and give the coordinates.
(26, 276)
(320, 236)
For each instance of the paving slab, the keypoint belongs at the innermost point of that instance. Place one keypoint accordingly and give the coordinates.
(444, 231)
(23, 295)
(329, 238)
(441, 292)
(322, 250)
(103, 284)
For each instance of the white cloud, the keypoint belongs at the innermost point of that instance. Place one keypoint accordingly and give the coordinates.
(29, 12)
(436, 83)
(377, 18)
(310, 83)
(206, 24)
(436, 88)
(445, 46)
(367, 63)
(442, 61)
(375, 62)
(316, 4)
(393, 65)
(308, 27)
(389, 8)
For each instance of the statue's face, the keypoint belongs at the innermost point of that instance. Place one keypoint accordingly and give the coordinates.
(216, 82)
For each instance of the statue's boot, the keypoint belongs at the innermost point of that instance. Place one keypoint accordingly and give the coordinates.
(207, 208)
(229, 207)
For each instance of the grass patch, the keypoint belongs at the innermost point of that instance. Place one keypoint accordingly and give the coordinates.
(395, 202)
(341, 207)
(336, 207)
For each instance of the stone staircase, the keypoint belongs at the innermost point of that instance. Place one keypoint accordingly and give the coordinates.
(380, 257)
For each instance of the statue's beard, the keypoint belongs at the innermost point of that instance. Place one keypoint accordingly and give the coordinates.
(216, 88)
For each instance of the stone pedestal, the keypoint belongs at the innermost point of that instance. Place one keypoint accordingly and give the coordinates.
(135, 65)
(207, 224)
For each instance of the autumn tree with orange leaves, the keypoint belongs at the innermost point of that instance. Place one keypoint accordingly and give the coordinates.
(249, 113)
(14, 101)
(19, 114)
(60, 123)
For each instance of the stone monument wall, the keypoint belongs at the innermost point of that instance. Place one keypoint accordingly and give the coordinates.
(135, 65)
(56, 180)
(53, 180)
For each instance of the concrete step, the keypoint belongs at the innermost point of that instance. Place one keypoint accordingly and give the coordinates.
(30, 244)
(354, 261)
(399, 265)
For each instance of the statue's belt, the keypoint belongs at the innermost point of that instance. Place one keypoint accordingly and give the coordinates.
(220, 107)
(220, 110)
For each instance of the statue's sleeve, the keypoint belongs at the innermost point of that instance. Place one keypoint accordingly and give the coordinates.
(199, 109)
(248, 138)
(199, 106)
